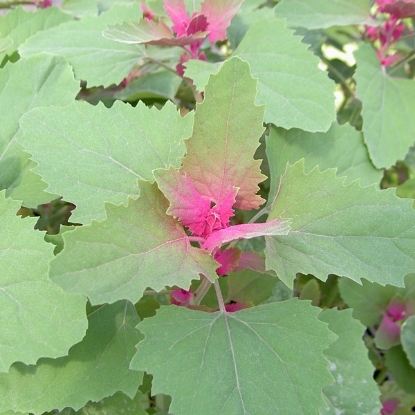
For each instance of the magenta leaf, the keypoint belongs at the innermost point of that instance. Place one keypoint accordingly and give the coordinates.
(228, 259)
(176, 9)
(246, 231)
(398, 8)
(251, 260)
(219, 15)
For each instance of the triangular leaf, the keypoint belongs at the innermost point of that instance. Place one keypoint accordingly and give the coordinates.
(136, 247)
(297, 93)
(30, 328)
(321, 14)
(25, 85)
(195, 356)
(97, 60)
(342, 230)
(122, 144)
(388, 122)
(95, 368)
(354, 391)
(225, 136)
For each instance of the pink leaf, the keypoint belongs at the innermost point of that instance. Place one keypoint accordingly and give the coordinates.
(398, 8)
(245, 231)
(176, 9)
(228, 259)
(251, 260)
(219, 15)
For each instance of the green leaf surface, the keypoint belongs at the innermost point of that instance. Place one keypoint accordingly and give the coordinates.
(199, 71)
(136, 247)
(95, 368)
(97, 60)
(297, 93)
(25, 85)
(30, 328)
(79, 8)
(255, 361)
(388, 122)
(354, 391)
(320, 14)
(106, 150)
(408, 339)
(19, 25)
(341, 147)
(226, 134)
(403, 373)
(113, 405)
(342, 230)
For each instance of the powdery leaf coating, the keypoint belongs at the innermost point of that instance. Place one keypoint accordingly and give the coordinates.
(136, 247)
(388, 122)
(95, 368)
(342, 230)
(32, 328)
(226, 133)
(236, 358)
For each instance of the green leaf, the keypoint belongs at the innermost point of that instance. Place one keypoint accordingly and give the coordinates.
(80, 8)
(106, 150)
(136, 247)
(388, 124)
(95, 368)
(342, 230)
(226, 134)
(354, 391)
(116, 404)
(297, 93)
(255, 361)
(408, 339)
(25, 85)
(97, 60)
(341, 147)
(19, 25)
(31, 328)
(403, 373)
(320, 14)
(199, 71)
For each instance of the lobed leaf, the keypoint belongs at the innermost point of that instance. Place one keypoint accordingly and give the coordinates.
(95, 368)
(136, 247)
(388, 124)
(31, 329)
(236, 358)
(226, 131)
(342, 230)
(106, 150)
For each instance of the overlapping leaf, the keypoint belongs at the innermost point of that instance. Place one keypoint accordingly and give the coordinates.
(106, 150)
(297, 93)
(320, 14)
(255, 361)
(354, 391)
(388, 123)
(136, 247)
(95, 368)
(342, 230)
(97, 60)
(225, 136)
(30, 328)
(408, 339)
(341, 147)
(25, 85)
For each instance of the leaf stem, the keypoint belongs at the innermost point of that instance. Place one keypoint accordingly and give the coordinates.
(219, 295)
(201, 291)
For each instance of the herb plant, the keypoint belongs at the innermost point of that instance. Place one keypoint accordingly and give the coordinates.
(206, 207)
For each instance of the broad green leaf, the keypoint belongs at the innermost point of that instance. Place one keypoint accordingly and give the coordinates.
(408, 339)
(297, 93)
(116, 404)
(25, 85)
(320, 14)
(95, 368)
(255, 361)
(97, 60)
(341, 147)
(106, 150)
(403, 373)
(80, 8)
(354, 391)
(388, 122)
(199, 71)
(37, 318)
(20, 25)
(136, 247)
(342, 230)
(226, 133)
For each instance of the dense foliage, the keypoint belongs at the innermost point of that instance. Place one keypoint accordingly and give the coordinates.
(207, 207)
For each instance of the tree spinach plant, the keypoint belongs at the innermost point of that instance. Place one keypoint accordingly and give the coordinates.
(206, 207)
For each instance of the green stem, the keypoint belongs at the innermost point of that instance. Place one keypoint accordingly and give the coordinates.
(340, 77)
(219, 295)
(382, 375)
(201, 291)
